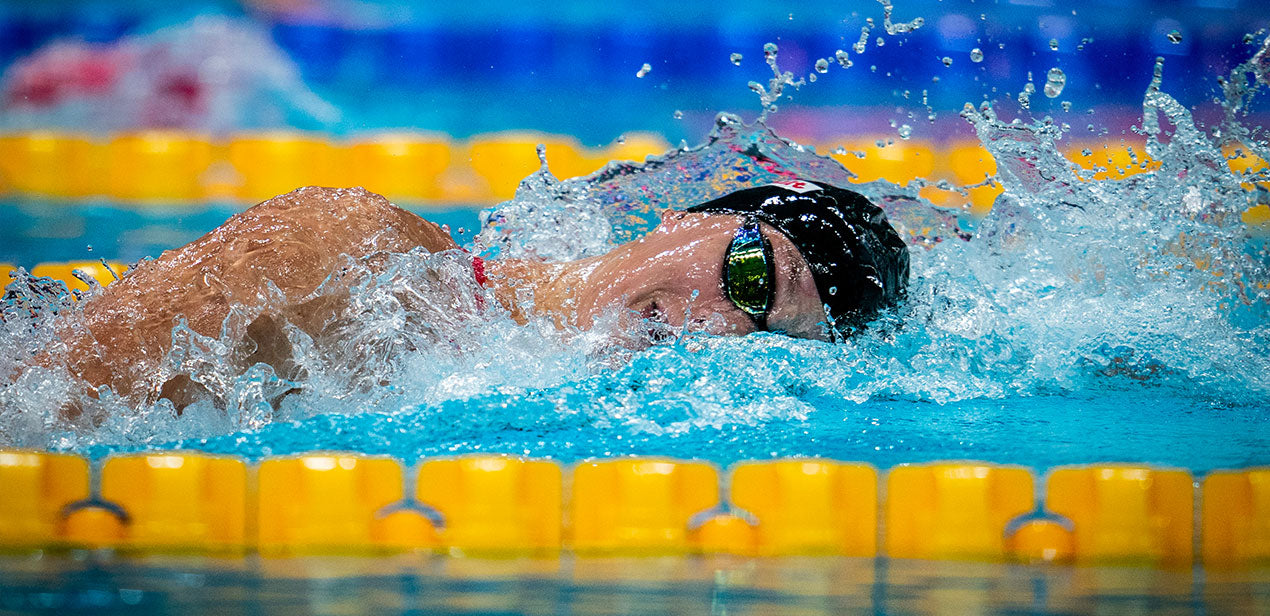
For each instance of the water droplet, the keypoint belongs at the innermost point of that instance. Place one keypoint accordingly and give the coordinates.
(1000, 45)
(1054, 44)
(946, 60)
(1025, 97)
(679, 115)
(643, 70)
(905, 131)
(1067, 105)
(735, 58)
(1157, 74)
(1086, 152)
(873, 68)
(822, 66)
(833, 290)
(880, 41)
(976, 55)
(843, 59)
(769, 50)
(811, 77)
(858, 46)
(1054, 82)
(89, 247)
(1175, 36)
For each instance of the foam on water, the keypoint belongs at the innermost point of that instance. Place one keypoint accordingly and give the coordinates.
(1143, 298)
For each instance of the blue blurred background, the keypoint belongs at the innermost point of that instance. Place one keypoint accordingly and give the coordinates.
(570, 67)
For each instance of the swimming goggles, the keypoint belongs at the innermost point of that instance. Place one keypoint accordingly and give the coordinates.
(749, 272)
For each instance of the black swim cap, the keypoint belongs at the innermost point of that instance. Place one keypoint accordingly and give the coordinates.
(859, 262)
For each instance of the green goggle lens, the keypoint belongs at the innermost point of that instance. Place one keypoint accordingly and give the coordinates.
(748, 272)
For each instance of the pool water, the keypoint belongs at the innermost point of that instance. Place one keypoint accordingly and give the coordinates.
(1159, 428)
(1098, 329)
(1115, 418)
(415, 584)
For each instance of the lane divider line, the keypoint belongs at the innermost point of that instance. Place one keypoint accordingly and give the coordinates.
(328, 502)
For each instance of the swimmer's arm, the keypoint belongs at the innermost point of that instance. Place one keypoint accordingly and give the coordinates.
(293, 241)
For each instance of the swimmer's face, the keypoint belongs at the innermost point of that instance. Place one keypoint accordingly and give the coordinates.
(675, 274)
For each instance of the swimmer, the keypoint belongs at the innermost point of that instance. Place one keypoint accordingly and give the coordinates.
(795, 257)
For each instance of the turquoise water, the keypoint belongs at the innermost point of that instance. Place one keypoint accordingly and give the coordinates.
(1114, 419)
(414, 584)
(1042, 432)
(1038, 336)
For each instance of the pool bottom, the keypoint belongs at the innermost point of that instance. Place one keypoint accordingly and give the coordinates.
(106, 583)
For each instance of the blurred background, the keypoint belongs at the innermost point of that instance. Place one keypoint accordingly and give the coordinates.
(130, 127)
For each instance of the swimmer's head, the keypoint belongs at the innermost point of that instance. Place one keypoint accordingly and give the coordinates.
(858, 261)
(789, 257)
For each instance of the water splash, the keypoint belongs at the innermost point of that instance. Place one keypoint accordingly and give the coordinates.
(1072, 286)
(768, 95)
(898, 28)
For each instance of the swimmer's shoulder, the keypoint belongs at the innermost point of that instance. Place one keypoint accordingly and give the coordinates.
(310, 203)
(354, 215)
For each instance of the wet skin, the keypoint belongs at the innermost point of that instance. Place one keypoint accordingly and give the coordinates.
(673, 274)
(296, 241)
(293, 241)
